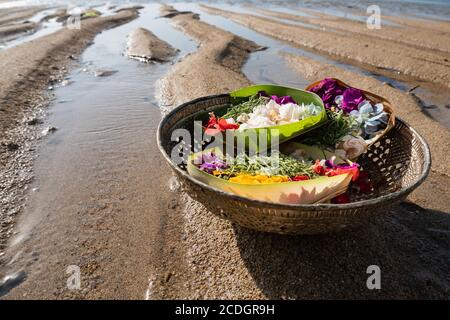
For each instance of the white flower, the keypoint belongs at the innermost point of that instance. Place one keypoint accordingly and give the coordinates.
(257, 121)
(273, 114)
(242, 118)
(289, 112)
(340, 153)
(353, 146)
(338, 100)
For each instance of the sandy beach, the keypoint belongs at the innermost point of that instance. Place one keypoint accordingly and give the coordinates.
(82, 181)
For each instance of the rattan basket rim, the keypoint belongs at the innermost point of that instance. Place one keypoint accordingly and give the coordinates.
(318, 206)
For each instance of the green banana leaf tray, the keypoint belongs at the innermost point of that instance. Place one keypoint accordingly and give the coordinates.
(260, 139)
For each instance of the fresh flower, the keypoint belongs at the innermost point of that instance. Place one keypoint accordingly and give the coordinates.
(216, 125)
(261, 111)
(283, 100)
(363, 182)
(211, 163)
(274, 114)
(341, 199)
(328, 89)
(351, 98)
(258, 179)
(353, 146)
(352, 169)
(328, 168)
(300, 178)
(371, 119)
(319, 168)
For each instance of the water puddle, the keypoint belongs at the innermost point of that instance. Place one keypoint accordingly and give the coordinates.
(44, 28)
(263, 66)
(49, 26)
(103, 155)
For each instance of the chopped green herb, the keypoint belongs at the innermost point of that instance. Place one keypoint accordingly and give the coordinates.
(269, 165)
(245, 107)
(338, 126)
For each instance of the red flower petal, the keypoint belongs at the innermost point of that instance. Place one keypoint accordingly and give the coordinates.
(300, 178)
(224, 125)
(341, 199)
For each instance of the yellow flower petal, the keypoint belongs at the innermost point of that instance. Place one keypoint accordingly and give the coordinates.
(258, 179)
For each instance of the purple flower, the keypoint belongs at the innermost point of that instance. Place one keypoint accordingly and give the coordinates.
(327, 89)
(262, 93)
(283, 100)
(210, 163)
(347, 166)
(208, 167)
(351, 99)
(277, 99)
(330, 163)
(326, 85)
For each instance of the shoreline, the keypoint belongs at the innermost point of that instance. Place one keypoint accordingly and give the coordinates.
(428, 66)
(33, 67)
(196, 254)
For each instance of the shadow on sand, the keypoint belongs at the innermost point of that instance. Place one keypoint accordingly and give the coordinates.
(411, 247)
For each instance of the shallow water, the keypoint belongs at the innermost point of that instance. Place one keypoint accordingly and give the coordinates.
(104, 151)
(46, 27)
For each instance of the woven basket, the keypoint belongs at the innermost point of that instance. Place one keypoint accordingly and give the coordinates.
(397, 163)
(374, 99)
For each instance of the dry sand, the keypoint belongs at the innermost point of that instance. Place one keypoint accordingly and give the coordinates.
(226, 261)
(378, 53)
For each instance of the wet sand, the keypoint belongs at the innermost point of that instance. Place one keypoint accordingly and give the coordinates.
(100, 201)
(436, 26)
(226, 261)
(144, 46)
(220, 53)
(377, 53)
(9, 16)
(124, 233)
(12, 30)
(220, 56)
(13, 22)
(413, 36)
(27, 71)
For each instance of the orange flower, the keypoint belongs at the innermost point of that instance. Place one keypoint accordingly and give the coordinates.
(258, 179)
